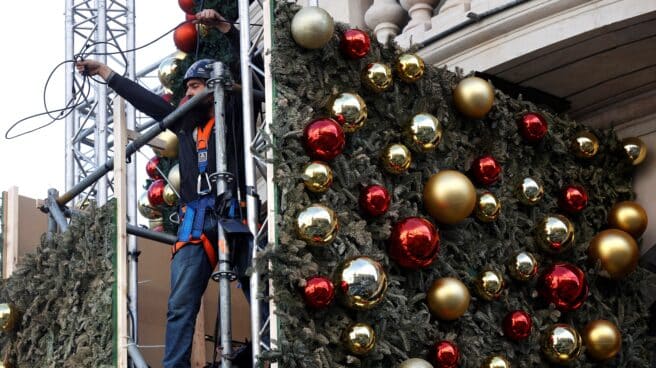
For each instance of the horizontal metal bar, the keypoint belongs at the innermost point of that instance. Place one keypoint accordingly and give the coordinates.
(152, 235)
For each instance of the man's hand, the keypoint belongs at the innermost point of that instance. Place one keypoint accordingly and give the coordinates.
(92, 67)
(212, 18)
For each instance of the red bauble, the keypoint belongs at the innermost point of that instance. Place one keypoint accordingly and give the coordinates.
(517, 325)
(151, 168)
(190, 16)
(447, 354)
(533, 127)
(486, 170)
(185, 36)
(156, 192)
(323, 139)
(564, 285)
(168, 97)
(573, 198)
(319, 292)
(183, 100)
(355, 43)
(374, 200)
(187, 6)
(414, 243)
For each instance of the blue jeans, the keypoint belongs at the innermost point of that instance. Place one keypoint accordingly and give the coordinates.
(190, 273)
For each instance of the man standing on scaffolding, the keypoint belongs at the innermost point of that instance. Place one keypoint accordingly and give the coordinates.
(195, 253)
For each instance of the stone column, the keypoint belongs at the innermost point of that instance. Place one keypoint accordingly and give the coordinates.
(453, 12)
(420, 11)
(385, 17)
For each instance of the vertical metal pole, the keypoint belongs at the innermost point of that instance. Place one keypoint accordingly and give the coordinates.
(225, 268)
(101, 111)
(69, 131)
(313, 2)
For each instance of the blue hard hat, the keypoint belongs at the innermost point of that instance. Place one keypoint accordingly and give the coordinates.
(201, 68)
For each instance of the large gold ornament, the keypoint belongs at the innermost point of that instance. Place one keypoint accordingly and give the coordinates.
(349, 110)
(585, 144)
(170, 196)
(628, 216)
(530, 191)
(145, 209)
(635, 149)
(425, 132)
(448, 298)
(415, 363)
(555, 234)
(496, 361)
(317, 176)
(317, 225)
(170, 142)
(396, 158)
(602, 339)
(359, 338)
(362, 282)
(312, 27)
(616, 250)
(523, 266)
(489, 284)
(449, 196)
(488, 207)
(165, 71)
(474, 97)
(377, 77)
(561, 343)
(410, 67)
(174, 177)
(8, 317)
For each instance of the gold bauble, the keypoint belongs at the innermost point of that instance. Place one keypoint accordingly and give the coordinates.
(602, 339)
(317, 176)
(474, 97)
(170, 196)
(561, 343)
(488, 207)
(8, 317)
(410, 67)
(166, 70)
(362, 282)
(555, 234)
(628, 216)
(415, 363)
(317, 225)
(489, 284)
(448, 298)
(359, 338)
(170, 141)
(530, 191)
(496, 361)
(377, 77)
(396, 158)
(349, 110)
(616, 250)
(449, 196)
(312, 27)
(145, 209)
(523, 266)
(585, 144)
(156, 223)
(174, 177)
(425, 132)
(635, 149)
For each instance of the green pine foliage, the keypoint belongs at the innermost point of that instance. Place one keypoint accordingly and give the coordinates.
(304, 82)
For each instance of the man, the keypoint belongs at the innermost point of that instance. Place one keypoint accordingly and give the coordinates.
(195, 253)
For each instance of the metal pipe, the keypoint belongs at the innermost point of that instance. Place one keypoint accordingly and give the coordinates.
(137, 359)
(131, 148)
(101, 112)
(69, 164)
(168, 239)
(54, 211)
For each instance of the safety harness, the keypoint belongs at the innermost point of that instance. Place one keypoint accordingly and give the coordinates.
(192, 214)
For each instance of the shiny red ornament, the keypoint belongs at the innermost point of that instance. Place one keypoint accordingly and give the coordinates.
(573, 198)
(354, 43)
(168, 97)
(564, 285)
(319, 292)
(533, 127)
(184, 37)
(156, 192)
(374, 200)
(414, 243)
(517, 325)
(151, 168)
(187, 6)
(190, 16)
(323, 139)
(447, 354)
(486, 170)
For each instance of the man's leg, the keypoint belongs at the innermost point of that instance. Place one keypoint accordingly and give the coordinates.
(190, 272)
